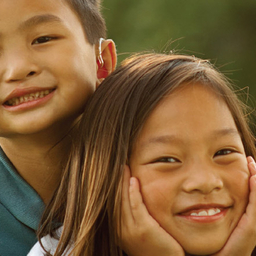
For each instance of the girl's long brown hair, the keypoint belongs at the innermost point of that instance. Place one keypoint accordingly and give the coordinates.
(88, 200)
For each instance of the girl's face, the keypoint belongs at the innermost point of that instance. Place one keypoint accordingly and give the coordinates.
(192, 168)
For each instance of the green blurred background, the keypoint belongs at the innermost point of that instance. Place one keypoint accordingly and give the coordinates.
(223, 31)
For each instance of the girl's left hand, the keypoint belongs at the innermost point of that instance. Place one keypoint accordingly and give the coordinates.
(243, 239)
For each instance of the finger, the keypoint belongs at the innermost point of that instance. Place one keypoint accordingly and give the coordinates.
(251, 165)
(126, 211)
(251, 208)
(139, 210)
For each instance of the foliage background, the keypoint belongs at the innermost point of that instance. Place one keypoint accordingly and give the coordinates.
(223, 31)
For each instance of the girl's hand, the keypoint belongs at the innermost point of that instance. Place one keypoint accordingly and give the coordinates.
(243, 239)
(141, 234)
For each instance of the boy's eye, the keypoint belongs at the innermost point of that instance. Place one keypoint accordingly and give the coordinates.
(223, 152)
(42, 39)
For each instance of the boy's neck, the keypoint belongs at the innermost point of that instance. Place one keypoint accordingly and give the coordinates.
(39, 160)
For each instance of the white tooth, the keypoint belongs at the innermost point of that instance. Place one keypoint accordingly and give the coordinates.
(211, 212)
(26, 98)
(17, 101)
(21, 99)
(194, 214)
(37, 94)
(217, 211)
(203, 213)
(41, 94)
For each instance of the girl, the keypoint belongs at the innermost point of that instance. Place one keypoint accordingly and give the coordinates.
(175, 121)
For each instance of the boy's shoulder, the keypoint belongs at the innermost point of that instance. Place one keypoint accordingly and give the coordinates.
(20, 211)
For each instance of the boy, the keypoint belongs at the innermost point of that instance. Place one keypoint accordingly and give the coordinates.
(50, 63)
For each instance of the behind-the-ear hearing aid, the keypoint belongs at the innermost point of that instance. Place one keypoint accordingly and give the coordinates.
(100, 59)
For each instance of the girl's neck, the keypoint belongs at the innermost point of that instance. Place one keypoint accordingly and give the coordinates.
(39, 159)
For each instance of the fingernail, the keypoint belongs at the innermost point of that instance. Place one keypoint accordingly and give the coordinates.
(250, 159)
(131, 181)
(253, 165)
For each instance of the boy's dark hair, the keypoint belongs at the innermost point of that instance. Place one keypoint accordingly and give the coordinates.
(90, 16)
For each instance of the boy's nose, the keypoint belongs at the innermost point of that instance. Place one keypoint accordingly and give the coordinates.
(202, 178)
(18, 66)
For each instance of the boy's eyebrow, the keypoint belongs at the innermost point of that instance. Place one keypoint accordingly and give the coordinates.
(39, 19)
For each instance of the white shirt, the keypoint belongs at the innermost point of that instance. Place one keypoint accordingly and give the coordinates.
(49, 243)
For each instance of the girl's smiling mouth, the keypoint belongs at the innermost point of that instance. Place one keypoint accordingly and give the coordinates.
(205, 213)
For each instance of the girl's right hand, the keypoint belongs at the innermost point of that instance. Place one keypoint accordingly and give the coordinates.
(141, 234)
(243, 239)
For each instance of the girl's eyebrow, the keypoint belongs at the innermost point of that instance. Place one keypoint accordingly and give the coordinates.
(164, 139)
(226, 132)
(39, 19)
(168, 139)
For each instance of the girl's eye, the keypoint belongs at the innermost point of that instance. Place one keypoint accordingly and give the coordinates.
(167, 160)
(42, 40)
(224, 152)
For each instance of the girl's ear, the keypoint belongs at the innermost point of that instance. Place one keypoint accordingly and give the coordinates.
(106, 58)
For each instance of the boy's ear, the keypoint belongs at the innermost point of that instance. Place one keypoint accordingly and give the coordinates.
(106, 58)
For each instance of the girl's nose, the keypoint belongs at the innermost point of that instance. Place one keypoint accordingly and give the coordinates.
(202, 177)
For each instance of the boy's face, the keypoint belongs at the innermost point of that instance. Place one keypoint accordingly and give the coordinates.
(47, 67)
(192, 167)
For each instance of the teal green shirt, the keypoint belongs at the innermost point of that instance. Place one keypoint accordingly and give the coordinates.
(20, 211)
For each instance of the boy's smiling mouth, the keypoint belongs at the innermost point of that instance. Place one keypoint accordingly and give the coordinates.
(28, 97)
